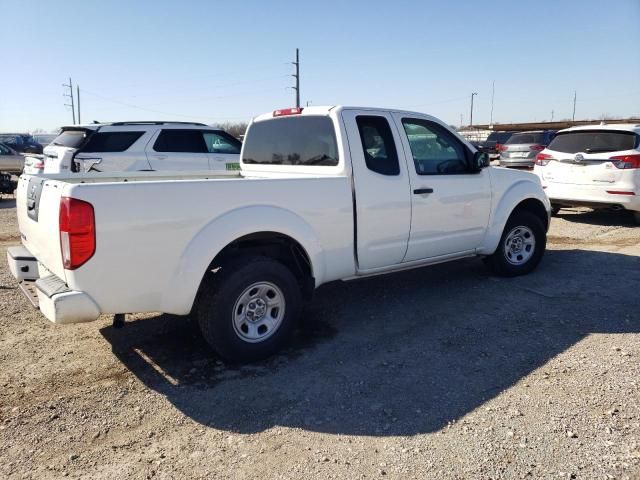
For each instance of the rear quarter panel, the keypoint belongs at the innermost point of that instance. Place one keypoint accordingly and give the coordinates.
(155, 240)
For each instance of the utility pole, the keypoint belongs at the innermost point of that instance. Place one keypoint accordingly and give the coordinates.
(471, 116)
(78, 99)
(297, 77)
(552, 115)
(70, 95)
(493, 91)
(461, 120)
(573, 117)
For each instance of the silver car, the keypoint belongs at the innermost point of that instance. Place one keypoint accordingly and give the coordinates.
(10, 160)
(521, 149)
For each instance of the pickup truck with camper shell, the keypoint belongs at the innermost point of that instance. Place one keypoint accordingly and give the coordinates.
(323, 194)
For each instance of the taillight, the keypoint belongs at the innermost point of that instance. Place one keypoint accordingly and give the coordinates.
(542, 159)
(626, 161)
(501, 148)
(287, 111)
(536, 148)
(38, 165)
(77, 232)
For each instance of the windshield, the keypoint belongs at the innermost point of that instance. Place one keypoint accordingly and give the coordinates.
(70, 138)
(594, 141)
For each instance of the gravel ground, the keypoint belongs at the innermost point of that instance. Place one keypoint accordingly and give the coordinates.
(443, 372)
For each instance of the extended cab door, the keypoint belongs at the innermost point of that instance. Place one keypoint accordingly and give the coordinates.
(178, 149)
(451, 200)
(381, 189)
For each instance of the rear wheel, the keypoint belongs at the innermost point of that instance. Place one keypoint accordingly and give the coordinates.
(636, 215)
(248, 310)
(521, 246)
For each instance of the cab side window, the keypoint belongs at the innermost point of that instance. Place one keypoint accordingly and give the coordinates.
(435, 150)
(380, 154)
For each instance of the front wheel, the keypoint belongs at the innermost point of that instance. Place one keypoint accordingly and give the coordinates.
(636, 215)
(521, 246)
(248, 310)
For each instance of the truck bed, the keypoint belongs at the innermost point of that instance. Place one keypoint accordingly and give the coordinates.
(156, 232)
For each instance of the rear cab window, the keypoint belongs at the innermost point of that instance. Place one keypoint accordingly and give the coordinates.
(380, 154)
(304, 141)
(594, 141)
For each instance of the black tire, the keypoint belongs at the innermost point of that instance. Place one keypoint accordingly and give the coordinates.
(555, 209)
(636, 216)
(499, 262)
(217, 301)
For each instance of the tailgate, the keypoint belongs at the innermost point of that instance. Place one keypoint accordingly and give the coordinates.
(38, 204)
(585, 171)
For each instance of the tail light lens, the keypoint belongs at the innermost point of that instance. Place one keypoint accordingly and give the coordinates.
(624, 162)
(542, 159)
(536, 148)
(77, 232)
(501, 148)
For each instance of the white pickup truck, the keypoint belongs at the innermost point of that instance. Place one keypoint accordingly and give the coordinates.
(323, 194)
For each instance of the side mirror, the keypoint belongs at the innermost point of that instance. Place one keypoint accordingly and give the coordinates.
(481, 160)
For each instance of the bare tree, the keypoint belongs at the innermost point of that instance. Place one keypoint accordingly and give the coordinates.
(236, 129)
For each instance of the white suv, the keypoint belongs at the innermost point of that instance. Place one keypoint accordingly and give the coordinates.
(597, 166)
(126, 146)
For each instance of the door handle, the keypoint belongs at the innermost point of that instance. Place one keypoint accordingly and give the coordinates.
(420, 191)
(160, 157)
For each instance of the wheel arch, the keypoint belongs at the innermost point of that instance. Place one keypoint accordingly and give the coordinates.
(523, 195)
(269, 231)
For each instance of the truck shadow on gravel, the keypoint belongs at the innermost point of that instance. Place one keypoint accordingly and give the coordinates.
(395, 355)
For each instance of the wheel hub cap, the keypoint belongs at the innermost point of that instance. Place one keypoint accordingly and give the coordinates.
(519, 245)
(258, 312)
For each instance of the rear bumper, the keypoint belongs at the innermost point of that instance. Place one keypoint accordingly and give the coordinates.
(517, 162)
(50, 294)
(590, 196)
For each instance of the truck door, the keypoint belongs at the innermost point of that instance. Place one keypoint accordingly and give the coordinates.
(381, 186)
(450, 200)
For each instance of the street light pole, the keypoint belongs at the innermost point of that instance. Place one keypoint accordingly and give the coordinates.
(471, 115)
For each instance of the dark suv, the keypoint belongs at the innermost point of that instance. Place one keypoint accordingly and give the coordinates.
(521, 149)
(493, 142)
(21, 142)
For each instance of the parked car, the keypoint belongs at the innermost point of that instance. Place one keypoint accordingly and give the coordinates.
(596, 166)
(10, 160)
(324, 193)
(44, 139)
(126, 146)
(493, 143)
(21, 142)
(521, 148)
